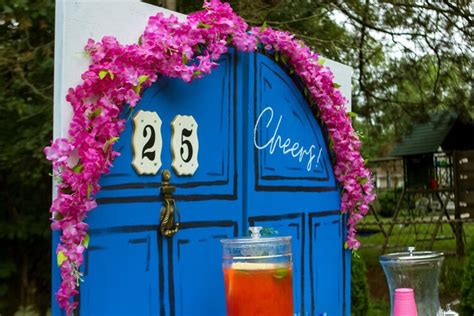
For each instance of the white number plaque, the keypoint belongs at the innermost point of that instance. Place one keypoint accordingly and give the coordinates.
(184, 145)
(146, 142)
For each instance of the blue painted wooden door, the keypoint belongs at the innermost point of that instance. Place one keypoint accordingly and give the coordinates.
(262, 161)
(290, 186)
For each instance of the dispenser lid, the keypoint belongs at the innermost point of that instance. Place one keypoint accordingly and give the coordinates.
(256, 245)
(412, 255)
(256, 238)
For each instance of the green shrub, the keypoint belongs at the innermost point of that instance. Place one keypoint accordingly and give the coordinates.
(467, 288)
(387, 201)
(359, 287)
(451, 276)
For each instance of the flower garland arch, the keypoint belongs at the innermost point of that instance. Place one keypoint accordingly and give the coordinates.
(188, 50)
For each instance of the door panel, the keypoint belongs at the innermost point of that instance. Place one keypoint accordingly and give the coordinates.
(196, 267)
(289, 225)
(327, 264)
(121, 273)
(289, 149)
(289, 168)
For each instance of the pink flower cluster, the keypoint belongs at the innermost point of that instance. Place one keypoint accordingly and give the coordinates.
(187, 50)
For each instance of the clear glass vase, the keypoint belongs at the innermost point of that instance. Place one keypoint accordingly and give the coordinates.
(418, 270)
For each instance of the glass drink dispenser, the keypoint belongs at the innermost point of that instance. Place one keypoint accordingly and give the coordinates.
(418, 270)
(258, 275)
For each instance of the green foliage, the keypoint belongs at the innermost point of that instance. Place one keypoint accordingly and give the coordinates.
(409, 59)
(451, 276)
(379, 307)
(387, 202)
(26, 78)
(467, 288)
(359, 287)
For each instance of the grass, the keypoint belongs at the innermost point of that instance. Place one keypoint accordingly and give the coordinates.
(410, 235)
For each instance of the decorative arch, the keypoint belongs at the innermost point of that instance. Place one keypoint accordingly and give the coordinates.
(117, 76)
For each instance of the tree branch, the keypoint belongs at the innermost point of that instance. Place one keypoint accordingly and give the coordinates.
(361, 22)
(32, 87)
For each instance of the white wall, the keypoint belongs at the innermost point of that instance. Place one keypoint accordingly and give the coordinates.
(79, 20)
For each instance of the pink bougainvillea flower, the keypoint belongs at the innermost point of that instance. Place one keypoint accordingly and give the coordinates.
(59, 150)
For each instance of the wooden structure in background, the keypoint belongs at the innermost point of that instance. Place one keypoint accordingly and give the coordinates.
(438, 168)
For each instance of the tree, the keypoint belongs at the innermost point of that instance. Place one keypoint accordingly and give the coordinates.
(26, 78)
(410, 58)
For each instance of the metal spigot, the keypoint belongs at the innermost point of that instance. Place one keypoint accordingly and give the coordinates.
(448, 311)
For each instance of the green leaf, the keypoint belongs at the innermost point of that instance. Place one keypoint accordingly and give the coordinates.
(336, 85)
(85, 241)
(362, 180)
(184, 59)
(355, 253)
(277, 56)
(352, 114)
(77, 168)
(197, 73)
(130, 112)
(110, 142)
(103, 73)
(140, 40)
(229, 39)
(89, 190)
(263, 27)
(281, 273)
(203, 25)
(61, 257)
(96, 113)
(56, 178)
(58, 216)
(346, 245)
(142, 79)
(321, 61)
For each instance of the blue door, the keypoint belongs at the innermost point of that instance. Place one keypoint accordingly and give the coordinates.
(262, 159)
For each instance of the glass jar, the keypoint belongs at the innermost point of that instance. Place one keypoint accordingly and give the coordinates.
(418, 270)
(258, 275)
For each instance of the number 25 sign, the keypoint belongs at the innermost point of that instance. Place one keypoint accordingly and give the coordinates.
(147, 143)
